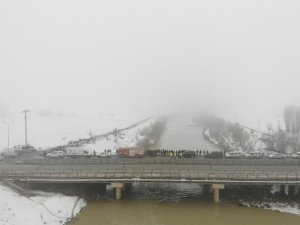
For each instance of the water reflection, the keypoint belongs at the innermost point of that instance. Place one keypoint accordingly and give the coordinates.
(181, 134)
(174, 204)
(161, 192)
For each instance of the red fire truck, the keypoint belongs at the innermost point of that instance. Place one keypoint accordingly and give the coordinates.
(130, 152)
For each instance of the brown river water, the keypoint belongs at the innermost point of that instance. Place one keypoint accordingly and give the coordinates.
(169, 213)
(175, 204)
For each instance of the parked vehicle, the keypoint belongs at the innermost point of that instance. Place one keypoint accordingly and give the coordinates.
(9, 153)
(215, 155)
(255, 155)
(187, 154)
(235, 155)
(55, 154)
(103, 155)
(277, 156)
(296, 155)
(24, 148)
(130, 152)
(75, 152)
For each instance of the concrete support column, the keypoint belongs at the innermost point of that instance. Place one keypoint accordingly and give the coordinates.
(216, 191)
(118, 193)
(216, 195)
(118, 187)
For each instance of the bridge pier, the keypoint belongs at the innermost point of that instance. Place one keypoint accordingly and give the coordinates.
(118, 187)
(216, 191)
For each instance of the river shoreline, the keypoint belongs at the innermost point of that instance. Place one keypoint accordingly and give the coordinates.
(157, 193)
(172, 204)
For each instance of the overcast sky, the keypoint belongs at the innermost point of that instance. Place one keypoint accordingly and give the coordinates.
(238, 58)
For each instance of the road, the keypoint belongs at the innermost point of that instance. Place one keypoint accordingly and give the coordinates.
(144, 167)
(152, 172)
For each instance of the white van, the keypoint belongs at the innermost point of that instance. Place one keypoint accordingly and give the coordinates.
(235, 154)
(255, 155)
(77, 152)
(56, 154)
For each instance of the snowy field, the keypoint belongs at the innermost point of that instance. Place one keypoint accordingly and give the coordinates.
(48, 130)
(41, 209)
(55, 209)
(126, 138)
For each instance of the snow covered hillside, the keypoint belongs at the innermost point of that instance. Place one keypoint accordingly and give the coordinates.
(231, 135)
(42, 209)
(254, 141)
(46, 131)
(122, 138)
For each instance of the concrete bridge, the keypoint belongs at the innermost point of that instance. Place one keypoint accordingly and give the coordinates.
(121, 175)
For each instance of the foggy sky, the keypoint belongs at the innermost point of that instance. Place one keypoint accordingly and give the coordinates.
(237, 58)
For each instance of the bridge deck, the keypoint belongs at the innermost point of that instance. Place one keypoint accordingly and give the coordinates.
(87, 173)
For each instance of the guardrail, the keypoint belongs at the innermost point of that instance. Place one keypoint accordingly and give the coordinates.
(188, 176)
(169, 161)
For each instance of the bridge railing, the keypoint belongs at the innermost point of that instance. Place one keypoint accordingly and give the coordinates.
(158, 175)
(162, 160)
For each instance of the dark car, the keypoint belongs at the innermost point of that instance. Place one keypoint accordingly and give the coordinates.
(187, 154)
(215, 155)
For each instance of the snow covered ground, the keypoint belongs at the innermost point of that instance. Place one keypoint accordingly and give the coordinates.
(126, 138)
(286, 208)
(43, 208)
(54, 209)
(254, 143)
(293, 208)
(273, 202)
(46, 131)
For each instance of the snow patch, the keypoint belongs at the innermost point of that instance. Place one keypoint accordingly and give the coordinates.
(124, 138)
(46, 208)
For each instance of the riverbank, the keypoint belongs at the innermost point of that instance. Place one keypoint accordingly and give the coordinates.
(56, 209)
(177, 204)
(40, 208)
(265, 198)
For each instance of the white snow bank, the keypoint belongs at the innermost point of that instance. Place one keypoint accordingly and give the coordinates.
(281, 207)
(126, 138)
(285, 207)
(45, 208)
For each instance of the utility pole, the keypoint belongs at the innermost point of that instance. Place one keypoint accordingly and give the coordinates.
(25, 113)
(8, 124)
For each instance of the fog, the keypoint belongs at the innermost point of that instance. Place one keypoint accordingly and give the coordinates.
(127, 60)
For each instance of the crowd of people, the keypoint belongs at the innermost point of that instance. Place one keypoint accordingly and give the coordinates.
(172, 153)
